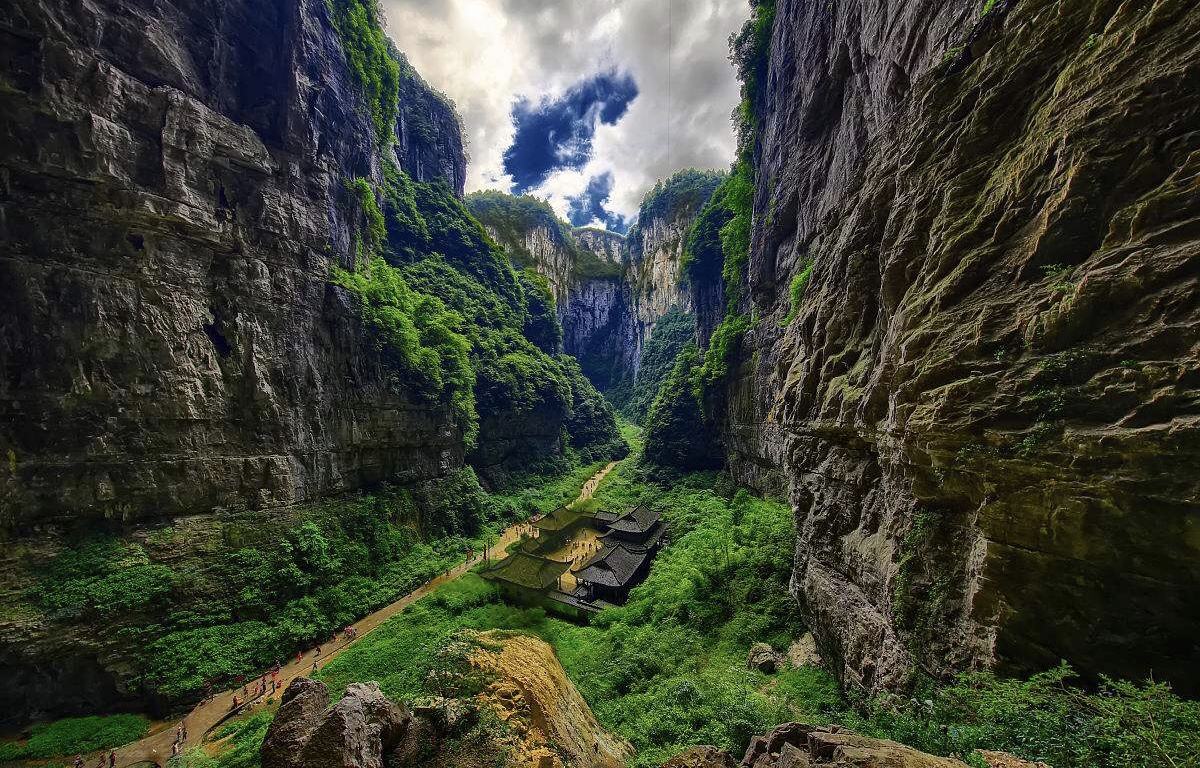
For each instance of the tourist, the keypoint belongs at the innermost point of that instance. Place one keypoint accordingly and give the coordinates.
(314, 669)
(78, 762)
(299, 655)
(112, 759)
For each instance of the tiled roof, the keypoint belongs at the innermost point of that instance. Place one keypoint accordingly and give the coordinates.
(613, 566)
(526, 570)
(557, 520)
(637, 520)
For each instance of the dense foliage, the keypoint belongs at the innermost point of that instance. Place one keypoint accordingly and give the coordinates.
(677, 433)
(684, 193)
(264, 587)
(455, 320)
(512, 217)
(375, 70)
(74, 735)
(672, 332)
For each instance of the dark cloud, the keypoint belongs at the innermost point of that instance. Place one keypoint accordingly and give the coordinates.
(554, 134)
(592, 205)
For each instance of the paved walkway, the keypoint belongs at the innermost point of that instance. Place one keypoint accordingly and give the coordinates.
(156, 747)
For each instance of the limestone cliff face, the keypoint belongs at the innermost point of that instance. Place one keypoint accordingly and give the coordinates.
(173, 201)
(609, 246)
(985, 407)
(655, 252)
(610, 290)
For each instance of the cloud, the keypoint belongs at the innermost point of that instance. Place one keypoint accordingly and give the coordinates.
(489, 55)
(555, 133)
(590, 208)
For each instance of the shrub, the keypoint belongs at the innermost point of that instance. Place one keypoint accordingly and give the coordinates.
(796, 292)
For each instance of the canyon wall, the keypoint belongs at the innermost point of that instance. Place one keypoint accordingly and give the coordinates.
(610, 290)
(984, 407)
(173, 199)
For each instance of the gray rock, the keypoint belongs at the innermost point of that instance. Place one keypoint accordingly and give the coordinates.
(764, 658)
(356, 733)
(983, 410)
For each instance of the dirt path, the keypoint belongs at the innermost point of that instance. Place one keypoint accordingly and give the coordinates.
(156, 747)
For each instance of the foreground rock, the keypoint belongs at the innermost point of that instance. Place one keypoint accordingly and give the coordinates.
(764, 658)
(549, 722)
(363, 730)
(796, 745)
(527, 713)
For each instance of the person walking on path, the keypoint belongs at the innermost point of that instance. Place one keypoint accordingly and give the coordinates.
(78, 761)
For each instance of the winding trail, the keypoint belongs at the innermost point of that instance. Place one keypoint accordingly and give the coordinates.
(155, 748)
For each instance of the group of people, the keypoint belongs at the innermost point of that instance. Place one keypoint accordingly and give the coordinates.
(180, 738)
(582, 550)
(106, 761)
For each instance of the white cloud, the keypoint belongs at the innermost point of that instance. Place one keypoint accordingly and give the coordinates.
(485, 54)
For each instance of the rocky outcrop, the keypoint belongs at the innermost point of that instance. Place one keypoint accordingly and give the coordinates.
(796, 745)
(549, 723)
(608, 245)
(701, 757)
(541, 720)
(984, 407)
(363, 730)
(173, 200)
(764, 658)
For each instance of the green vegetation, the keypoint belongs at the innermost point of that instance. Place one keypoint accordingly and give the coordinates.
(1120, 725)
(375, 70)
(267, 585)
(73, 735)
(541, 319)
(513, 216)
(718, 244)
(456, 323)
(668, 669)
(684, 193)
(242, 750)
(678, 435)
(796, 292)
(672, 332)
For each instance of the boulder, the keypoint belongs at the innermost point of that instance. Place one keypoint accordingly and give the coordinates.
(798, 745)
(803, 652)
(764, 658)
(356, 733)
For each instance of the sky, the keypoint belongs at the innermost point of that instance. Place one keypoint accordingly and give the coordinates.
(573, 100)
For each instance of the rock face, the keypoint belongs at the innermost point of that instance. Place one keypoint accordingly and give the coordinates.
(549, 722)
(797, 745)
(610, 290)
(363, 730)
(173, 198)
(985, 409)
(543, 721)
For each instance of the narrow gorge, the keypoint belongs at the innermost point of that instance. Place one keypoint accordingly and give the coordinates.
(343, 432)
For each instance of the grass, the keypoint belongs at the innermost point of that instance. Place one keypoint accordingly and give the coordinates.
(665, 671)
(73, 735)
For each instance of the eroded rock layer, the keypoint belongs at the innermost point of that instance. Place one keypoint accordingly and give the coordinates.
(985, 408)
(173, 198)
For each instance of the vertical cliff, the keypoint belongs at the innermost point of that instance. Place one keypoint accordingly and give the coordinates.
(610, 290)
(974, 357)
(173, 198)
